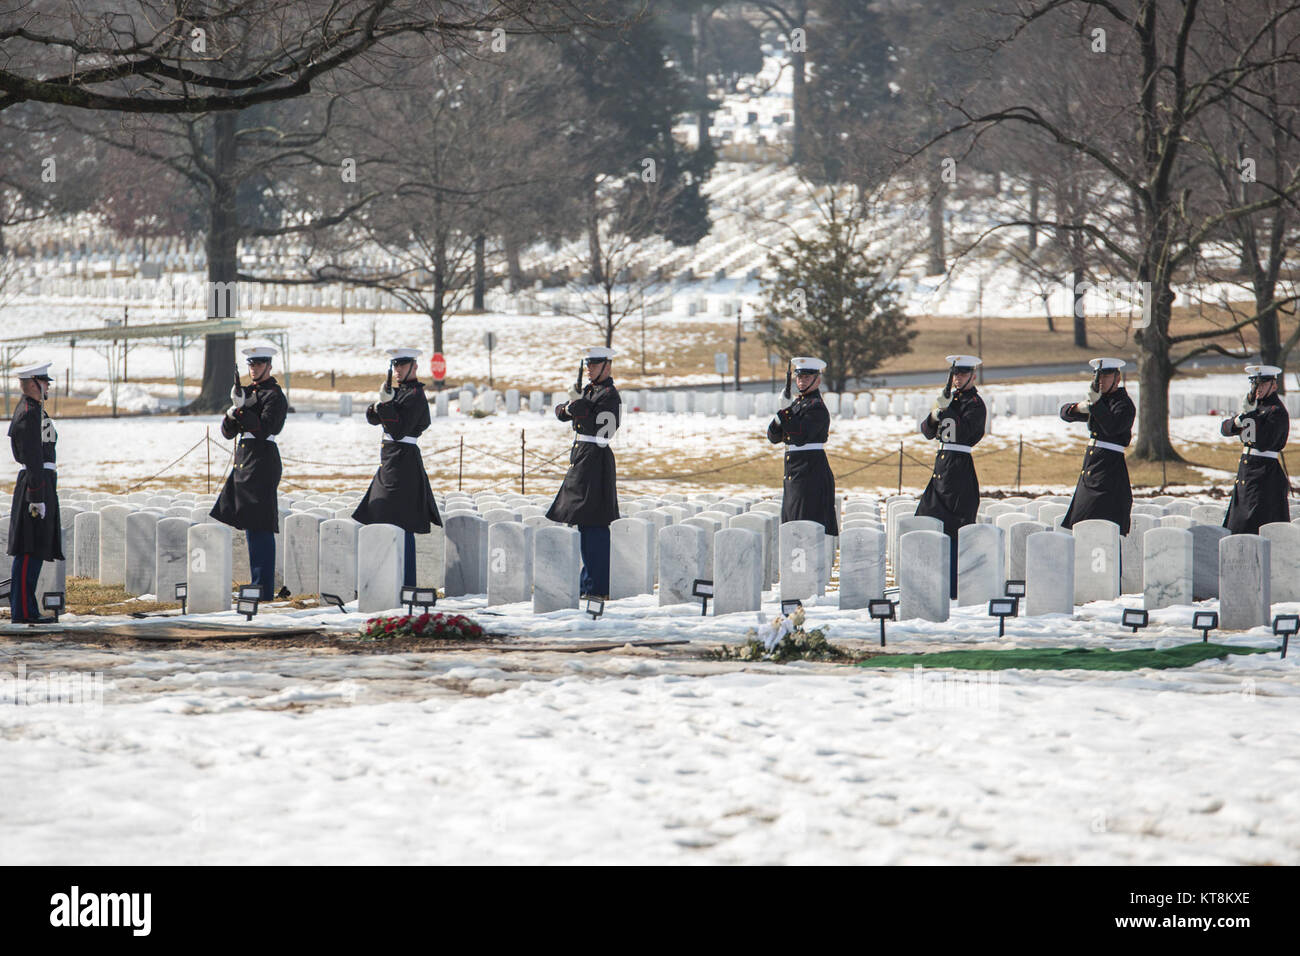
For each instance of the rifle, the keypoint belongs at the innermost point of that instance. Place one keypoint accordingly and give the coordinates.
(577, 385)
(947, 389)
(1096, 380)
(789, 373)
(238, 383)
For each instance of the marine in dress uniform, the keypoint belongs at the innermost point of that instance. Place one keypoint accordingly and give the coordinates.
(34, 533)
(1259, 495)
(399, 494)
(248, 499)
(957, 422)
(1103, 491)
(588, 497)
(803, 423)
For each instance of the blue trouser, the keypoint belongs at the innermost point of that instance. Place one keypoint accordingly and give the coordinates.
(261, 561)
(594, 542)
(23, 605)
(408, 563)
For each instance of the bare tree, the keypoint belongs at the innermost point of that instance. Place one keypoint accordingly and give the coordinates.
(1172, 68)
(625, 218)
(153, 56)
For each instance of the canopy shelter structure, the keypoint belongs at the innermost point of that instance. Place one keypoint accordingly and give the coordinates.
(114, 339)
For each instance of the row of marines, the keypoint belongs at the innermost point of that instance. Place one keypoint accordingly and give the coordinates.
(400, 494)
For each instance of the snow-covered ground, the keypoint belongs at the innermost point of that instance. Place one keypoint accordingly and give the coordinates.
(234, 756)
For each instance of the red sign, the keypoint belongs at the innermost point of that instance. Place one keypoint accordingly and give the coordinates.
(438, 366)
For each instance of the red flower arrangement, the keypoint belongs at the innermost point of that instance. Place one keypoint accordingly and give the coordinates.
(434, 627)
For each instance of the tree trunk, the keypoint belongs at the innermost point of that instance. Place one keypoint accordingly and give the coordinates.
(701, 78)
(1033, 214)
(593, 235)
(437, 315)
(798, 65)
(1080, 317)
(514, 269)
(480, 269)
(936, 263)
(1154, 372)
(223, 268)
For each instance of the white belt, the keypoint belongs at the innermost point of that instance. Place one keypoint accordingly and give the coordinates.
(50, 464)
(255, 438)
(408, 439)
(594, 439)
(1249, 451)
(944, 446)
(1109, 446)
(811, 446)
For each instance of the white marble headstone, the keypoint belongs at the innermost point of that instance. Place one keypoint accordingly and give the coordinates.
(1245, 581)
(380, 567)
(337, 560)
(1096, 561)
(802, 546)
(1166, 568)
(923, 579)
(682, 552)
(862, 567)
(170, 553)
(557, 563)
(510, 563)
(981, 564)
(141, 553)
(85, 545)
(1049, 574)
(112, 544)
(209, 572)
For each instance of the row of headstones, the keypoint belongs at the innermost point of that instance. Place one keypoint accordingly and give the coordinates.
(1062, 569)
(1104, 564)
(141, 541)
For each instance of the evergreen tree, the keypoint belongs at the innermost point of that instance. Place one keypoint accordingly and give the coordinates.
(832, 299)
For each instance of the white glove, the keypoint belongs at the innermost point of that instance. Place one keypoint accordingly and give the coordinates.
(1093, 396)
(239, 397)
(940, 403)
(37, 510)
(1083, 408)
(1248, 404)
(574, 394)
(785, 402)
(230, 412)
(386, 394)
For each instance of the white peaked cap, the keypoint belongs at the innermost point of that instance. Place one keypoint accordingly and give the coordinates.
(38, 370)
(397, 354)
(1263, 371)
(599, 353)
(963, 361)
(259, 352)
(801, 362)
(1106, 364)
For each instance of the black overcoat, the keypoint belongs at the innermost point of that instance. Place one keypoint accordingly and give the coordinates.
(809, 485)
(399, 494)
(248, 498)
(589, 494)
(953, 493)
(1103, 491)
(32, 439)
(1259, 495)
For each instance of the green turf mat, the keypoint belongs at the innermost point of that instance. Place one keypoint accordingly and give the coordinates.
(1064, 658)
